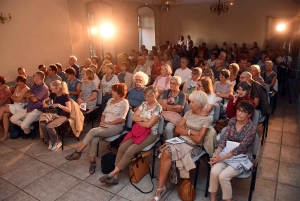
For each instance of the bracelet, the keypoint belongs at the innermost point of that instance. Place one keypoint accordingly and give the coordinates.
(189, 132)
(60, 106)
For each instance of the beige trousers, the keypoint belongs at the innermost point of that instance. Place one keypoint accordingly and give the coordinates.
(222, 173)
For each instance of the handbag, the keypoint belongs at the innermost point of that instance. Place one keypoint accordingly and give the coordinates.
(186, 191)
(137, 170)
(51, 110)
(221, 123)
(172, 117)
(108, 162)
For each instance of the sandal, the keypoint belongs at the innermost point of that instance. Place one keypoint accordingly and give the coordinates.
(75, 156)
(163, 191)
(93, 167)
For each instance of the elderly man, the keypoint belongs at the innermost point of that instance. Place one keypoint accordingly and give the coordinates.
(37, 94)
(60, 72)
(52, 75)
(72, 63)
(43, 68)
(87, 64)
(222, 56)
(184, 72)
(142, 66)
(258, 93)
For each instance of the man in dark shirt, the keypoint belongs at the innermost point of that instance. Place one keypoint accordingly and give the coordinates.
(72, 61)
(38, 92)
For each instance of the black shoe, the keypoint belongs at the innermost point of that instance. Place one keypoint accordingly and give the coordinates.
(27, 136)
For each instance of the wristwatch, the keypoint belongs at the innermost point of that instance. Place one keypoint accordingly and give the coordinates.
(189, 132)
(60, 106)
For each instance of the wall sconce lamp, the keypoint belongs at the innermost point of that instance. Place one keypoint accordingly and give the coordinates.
(5, 18)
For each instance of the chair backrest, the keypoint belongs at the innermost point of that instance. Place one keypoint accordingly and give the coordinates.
(160, 128)
(275, 87)
(99, 97)
(186, 107)
(255, 117)
(216, 112)
(268, 91)
(255, 147)
(128, 121)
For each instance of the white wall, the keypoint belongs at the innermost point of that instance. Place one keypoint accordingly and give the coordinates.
(39, 33)
(147, 17)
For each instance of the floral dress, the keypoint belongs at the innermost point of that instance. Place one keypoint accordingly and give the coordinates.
(148, 114)
(116, 111)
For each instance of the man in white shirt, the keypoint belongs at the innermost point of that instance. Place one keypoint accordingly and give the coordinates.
(142, 66)
(211, 62)
(184, 72)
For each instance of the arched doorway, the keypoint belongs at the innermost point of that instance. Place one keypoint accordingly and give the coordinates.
(146, 27)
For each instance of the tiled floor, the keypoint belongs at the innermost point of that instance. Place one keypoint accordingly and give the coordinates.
(28, 171)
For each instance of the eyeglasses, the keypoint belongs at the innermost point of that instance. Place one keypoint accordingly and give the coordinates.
(240, 111)
(138, 80)
(173, 83)
(194, 73)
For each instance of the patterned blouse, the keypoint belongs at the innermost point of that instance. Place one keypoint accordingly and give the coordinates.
(177, 100)
(5, 93)
(87, 91)
(116, 111)
(245, 137)
(106, 84)
(148, 114)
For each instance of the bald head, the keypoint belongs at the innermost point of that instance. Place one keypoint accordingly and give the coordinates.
(245, 76)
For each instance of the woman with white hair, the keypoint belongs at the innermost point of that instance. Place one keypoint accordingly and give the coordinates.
(269, 75)
(255, 72)
(136, 96)
(173, 101)
(192, 129)
(162, 82)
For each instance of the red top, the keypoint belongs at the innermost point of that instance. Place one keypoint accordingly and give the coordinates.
(118, 69)
(231, 107)
(138, 134)
(155, 69)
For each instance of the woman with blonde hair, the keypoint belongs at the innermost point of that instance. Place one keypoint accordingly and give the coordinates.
(162, 82)
(88, 91)
(255, 72)
(107, 81)
(234, 69)
(205, 85)
(59, 100)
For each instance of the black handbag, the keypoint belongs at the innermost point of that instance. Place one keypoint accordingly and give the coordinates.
(108, 162)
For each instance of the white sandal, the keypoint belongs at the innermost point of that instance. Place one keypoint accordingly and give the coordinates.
(163, 191)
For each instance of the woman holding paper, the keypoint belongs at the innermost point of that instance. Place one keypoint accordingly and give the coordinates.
(240, 133)
(192, 129)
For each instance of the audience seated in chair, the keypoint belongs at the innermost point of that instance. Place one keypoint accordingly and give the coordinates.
(126, 77)
(136, 95)
(19, 102)
(205, 85)
(52, 75)
(121, 59)
(74, 85)
(156, 68)
(224, 88)
(111, 123)
(173, 100)
(22, 71)
(37, 94)
(60, 101)
(243, 93)
(269, 75)
(255, 72)
(234, 78)
(192, 129)
(162, 82)
(184, 72)
(143, 66)
(88, 91)
(61, 73)
(5, 92)
(191, 83)
(147, 119)
(217, 69)
(72, 63)
(240, 130)
(107, 81)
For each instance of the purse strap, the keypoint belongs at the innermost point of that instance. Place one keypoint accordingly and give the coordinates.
(144, 192)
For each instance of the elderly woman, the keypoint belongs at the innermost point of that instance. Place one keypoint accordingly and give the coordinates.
(107, 81)
(102, 70)
(136, 95)
(74, 85)
(121, 58)
(224, 88)
(126, 77)
(166, 59)
(95, 60)
(205, 85)
(173, 100)
(61, 102)
(162, 82)
(5, 92)
(19, 103)
(269, 75)
(255, 72)
(147, 119)
(191, 83)
(156, 68)
(206, 70)
(243, 93)
(217, 69)
(88, 92)
(112, 123)
(240, 130)
(234, 77)
(192, 129)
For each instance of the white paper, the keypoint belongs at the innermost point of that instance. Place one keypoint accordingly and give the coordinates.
(83, 106)
(175, 140)
(230, 145)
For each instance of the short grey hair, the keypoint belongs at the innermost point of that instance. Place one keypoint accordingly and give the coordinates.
(73, 57)
(168, 68)
(143, 75)
(177, 79)
(199, 97)
(256, 67)
(271, 62)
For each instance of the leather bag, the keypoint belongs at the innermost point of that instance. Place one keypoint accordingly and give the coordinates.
(186, 191)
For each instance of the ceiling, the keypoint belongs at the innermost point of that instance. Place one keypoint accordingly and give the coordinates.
(182, 2)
